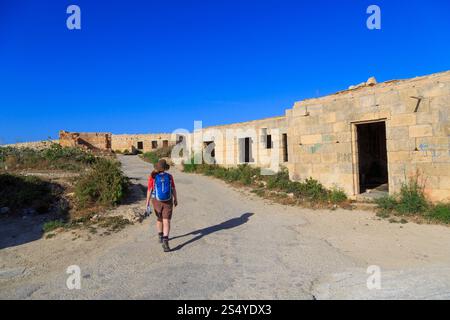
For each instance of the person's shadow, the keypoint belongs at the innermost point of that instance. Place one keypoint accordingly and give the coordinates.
(229, 224)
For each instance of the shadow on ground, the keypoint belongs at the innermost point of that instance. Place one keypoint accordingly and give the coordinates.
(136, 193)
(15, 231)
(229, 224)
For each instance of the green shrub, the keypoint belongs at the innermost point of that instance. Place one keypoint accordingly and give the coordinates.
(52, 225)
(150, 157)
(154, 156)
(440, 213)
(103, 185)
(280, 180)
(337, 195)
(17, 192)
(57, 153)
(309, 189)
(314, 190)
(411, 199)
(386, 203)
(164, 152)
(54, 157)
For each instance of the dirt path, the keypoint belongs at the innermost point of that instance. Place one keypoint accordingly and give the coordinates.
(229, 244)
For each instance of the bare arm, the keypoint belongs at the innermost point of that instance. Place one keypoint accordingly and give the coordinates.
(174, 192)
(175, 199)
(149, 192)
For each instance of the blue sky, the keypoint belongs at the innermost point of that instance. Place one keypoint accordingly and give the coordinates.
(154, 66)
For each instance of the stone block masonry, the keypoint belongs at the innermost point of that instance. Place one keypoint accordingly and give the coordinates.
(141, 142)
(91, 141)
(412, 117)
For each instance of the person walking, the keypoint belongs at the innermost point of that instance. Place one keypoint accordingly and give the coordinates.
(163, 196)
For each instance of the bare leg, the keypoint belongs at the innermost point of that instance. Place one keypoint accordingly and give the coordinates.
(159, 226)
(166, 227)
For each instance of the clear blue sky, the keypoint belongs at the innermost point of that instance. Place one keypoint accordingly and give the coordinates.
(154, 66)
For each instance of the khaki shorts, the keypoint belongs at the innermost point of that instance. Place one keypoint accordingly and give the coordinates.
(163, 210)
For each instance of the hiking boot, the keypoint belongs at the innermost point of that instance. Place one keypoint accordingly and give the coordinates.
(165, 245)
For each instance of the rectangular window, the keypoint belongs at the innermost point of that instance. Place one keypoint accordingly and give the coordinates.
(140, 145)
(285, 148)
(269, 141)
(154, 144)
(165, 143)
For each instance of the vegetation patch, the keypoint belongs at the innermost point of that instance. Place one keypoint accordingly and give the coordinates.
(73, 200)
(52, 225)
(53, 158)
(103, 185)
(154, 156)
(107, 224)
(439, 212)
(277, 185)
(411, 202)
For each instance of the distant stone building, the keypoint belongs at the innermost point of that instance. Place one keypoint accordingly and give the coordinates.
(92, 141)
(141, 142)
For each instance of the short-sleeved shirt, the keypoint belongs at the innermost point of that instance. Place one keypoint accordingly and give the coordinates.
(151, 183)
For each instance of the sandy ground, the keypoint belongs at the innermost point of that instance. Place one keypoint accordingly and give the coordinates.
(230, 244)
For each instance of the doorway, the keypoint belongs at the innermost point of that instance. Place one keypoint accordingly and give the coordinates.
(245, 150)
(285, 148)
(372, 156)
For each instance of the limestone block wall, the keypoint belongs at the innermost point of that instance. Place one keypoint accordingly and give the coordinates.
(130, 142)
(323, 139)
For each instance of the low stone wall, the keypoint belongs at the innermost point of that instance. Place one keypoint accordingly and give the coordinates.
(37, 145)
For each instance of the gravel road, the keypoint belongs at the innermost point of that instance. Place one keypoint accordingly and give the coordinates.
(230, 244)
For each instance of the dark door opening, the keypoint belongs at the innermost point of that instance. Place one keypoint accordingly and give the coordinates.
(285, 148)
(269, 142)
(140, 145)
(372, 157)
(154, 144)
(245, 150)
(165, 143)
